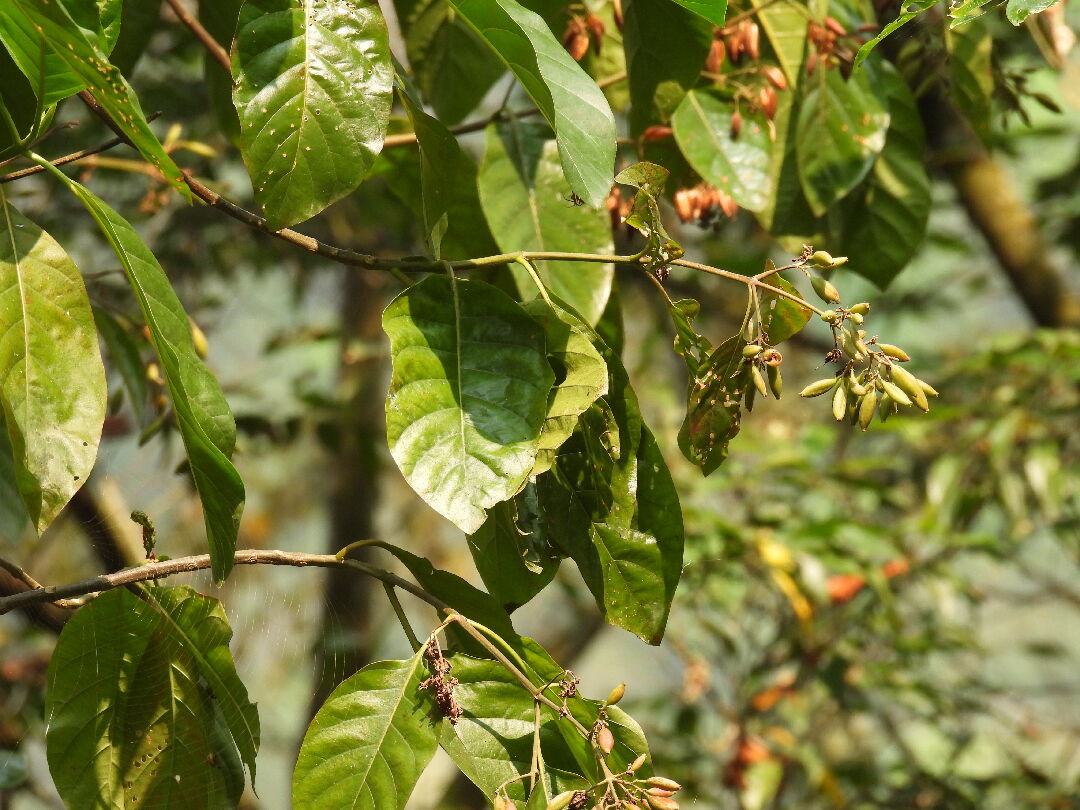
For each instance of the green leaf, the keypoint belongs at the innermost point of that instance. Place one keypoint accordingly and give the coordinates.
(369, 742)
(666, 47)
(738, 166)
(570, 101)
(443, 169)
(46, 71)
(468, 395)
(493, 740)
(840, 132)
(17, 97)
(124, 353)
(970, 49)
(98, 17)
(714, 406)
(202, 414)
(513, 565)
(86, 59)
(128, 719)
(911, 10)
(13, 517)
(199, 624)
(609, 503)
(453, 67)
(1016, 11)
(52, 381)
(313, 92)
(781, 318)
(967, 11)
(580, 378)
(884, 226)
(714, 11)
(526, 203)
(644, 216)
(785, 26)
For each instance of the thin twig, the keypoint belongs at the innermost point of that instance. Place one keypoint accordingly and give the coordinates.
(399, 611)
(183, 565)
(212, 46)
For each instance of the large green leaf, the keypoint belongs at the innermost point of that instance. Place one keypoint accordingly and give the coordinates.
(313, 91)
(101, 18)
(46, 71)
(580, 378)
(130, 722)
(84, 56)
(202, 414)
(736, 165)
(199, 624)
(884, 225)
(610, 504)
(13, 517)
(525, 200)
(369, 742)
(52, 381)
(513, 565)
(451, 64)
(468, 395)
(714, 11)
(785, 26)
(840, 132)
(666, 48)
(570, 101)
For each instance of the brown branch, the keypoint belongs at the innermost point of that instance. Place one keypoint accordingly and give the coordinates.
(212, 46)
(183, 565)
(73, 157)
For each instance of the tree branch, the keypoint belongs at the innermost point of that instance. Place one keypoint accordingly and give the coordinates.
(212, 46)
(183, 565)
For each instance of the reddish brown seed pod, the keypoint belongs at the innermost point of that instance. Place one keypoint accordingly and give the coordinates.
(683, 206)
(660, 792)
(753, 39)
(574, 27)
(775, 76)
(596, 28)
(605, 739)
(811, 62)
(714, 63)
(735, 45)
(767, 101)
(578, 47)
(725, 203)
(736, 124)
(834, 25)
(657, 132)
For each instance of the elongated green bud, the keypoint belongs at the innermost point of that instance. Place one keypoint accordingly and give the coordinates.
(856, 317)
(749, 397)
(909, 384)
(825, 290)
(928, 389)
(816, 389)
(857, 388)
(562, 801)
(860, 309)
(867, 406)
(759, 381)
(615, 695)
(847, 343)
(662, 803)
(820, 258)
(663, 783)
(839, 403)
(896, 394)
(635, 766)
(751, 350)
(776, 382)
(895, 352)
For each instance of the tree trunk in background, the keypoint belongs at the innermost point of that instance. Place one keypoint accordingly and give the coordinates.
(992, 203)
(344, 643)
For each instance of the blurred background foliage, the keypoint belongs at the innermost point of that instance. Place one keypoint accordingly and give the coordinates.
(879, 620)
